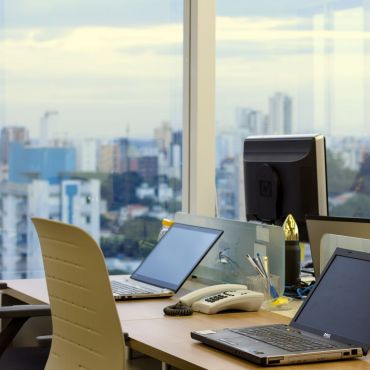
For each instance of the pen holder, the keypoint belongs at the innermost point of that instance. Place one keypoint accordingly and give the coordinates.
(258, 284)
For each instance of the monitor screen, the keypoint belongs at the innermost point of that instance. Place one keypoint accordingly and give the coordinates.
(339, 304)
(176, 255)
(285, 174)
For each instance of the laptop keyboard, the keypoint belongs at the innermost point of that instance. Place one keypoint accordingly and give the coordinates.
(283, 337)
(122, 288)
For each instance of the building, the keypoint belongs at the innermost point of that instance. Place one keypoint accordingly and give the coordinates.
(145, 191)
(106, 157)
(251, 121)
(148, 168)
(228, 191)
(87, 150)
(121, 162)
(29, 163)
(176, 155)
(11, 134)
(48, 128)
(39, 186)
(280, 114)
(163, 136)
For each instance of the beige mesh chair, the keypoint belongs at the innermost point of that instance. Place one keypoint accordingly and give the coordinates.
(87, 333)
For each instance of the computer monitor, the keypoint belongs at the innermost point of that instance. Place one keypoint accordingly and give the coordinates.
(285, 174)
(328, 232)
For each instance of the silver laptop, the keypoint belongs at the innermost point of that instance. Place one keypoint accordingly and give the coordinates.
(332, 324)
(169, 264)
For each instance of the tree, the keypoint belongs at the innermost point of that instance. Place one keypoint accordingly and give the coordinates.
(172, 206)
(120, 189)
(362, 181)
(140, 236)
(356, 206)
(175, 184)
(112, 246)
(340, 178)
(141, 228)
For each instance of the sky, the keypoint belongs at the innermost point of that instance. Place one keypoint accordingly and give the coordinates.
(108, 66)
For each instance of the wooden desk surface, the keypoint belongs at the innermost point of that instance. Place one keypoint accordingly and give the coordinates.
(168, 338)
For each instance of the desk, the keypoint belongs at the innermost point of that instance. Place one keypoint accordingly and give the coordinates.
(168, 338)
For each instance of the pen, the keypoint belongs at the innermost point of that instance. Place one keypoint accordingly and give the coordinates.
(273, 292)
(254, 265)
(261, 264)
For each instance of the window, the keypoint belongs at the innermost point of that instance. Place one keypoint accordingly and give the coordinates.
(295, 67)
(91, 124)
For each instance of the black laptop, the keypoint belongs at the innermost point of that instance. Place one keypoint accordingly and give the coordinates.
(168, 265)
(333, 323)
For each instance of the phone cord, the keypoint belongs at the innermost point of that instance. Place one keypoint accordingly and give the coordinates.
(178, 309)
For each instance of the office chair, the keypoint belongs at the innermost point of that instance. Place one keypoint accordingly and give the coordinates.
(87, 332)
(21, 358)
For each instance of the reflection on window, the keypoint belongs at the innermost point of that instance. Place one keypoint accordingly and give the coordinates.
(90, 125)
(295, 67)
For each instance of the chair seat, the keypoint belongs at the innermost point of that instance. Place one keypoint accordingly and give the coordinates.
(24, 358)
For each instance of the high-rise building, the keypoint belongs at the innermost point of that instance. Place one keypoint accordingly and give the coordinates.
(227, 189)
(107, 153)
(176, 155)
(251, 121)
(87, 155)
(122, 158)
(39, 186)
(13, 230)
(48, 128)
(225, 146)
(73, 201)
(11, 134)
(148, 168)
(48, 163)
(280, 113)
(163, 136)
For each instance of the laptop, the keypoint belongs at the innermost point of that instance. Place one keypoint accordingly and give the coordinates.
(341, 230)
(168, 265)
(332, 324)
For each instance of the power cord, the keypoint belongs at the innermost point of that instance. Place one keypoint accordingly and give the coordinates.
(178, 309)
(299, 290)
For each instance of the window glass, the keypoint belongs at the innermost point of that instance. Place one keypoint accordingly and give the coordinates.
(295, 67)
(90, 124)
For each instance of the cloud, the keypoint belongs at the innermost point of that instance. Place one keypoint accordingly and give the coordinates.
(276, 29)
(77, 13)
(101, 51)
(93, 78)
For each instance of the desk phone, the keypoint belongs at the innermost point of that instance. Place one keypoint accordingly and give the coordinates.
(216, 298)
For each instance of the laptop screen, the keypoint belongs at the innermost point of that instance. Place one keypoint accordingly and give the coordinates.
(176, 255)
(338, 307)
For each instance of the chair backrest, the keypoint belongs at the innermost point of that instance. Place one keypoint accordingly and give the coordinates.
(87, 333)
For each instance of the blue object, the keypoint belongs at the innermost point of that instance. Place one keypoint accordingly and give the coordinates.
(273, 292)
(48, 163)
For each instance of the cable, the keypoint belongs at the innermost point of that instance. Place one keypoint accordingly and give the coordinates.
(178, 309)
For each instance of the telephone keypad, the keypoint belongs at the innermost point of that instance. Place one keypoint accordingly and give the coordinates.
(217, 297)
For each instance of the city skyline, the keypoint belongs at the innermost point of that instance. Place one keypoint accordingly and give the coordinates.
(91, 109)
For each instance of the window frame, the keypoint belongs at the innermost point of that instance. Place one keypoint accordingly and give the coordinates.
(199, 147)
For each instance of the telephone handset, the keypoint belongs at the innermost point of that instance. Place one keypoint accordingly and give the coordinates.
(216, 298)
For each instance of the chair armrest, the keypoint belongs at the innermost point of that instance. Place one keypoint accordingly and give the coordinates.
(17, 311)
(44, 340)
(16, 316)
